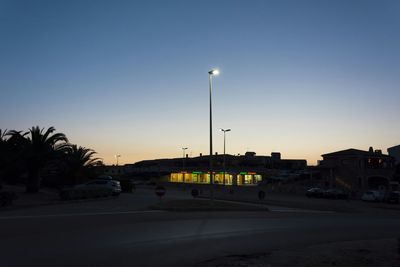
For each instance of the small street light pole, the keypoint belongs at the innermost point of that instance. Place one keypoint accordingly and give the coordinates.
(117, 157)
(225, 130)
(183, 164)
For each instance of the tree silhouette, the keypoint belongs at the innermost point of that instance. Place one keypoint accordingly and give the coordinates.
(41, 153)
(40, 149)
(11, 155)
(3, 152)
(79, 163)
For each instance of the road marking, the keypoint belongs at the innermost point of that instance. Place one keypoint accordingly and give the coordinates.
(303, 211)
(78, 214)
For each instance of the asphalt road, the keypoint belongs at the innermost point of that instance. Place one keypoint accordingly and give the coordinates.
(114, 233)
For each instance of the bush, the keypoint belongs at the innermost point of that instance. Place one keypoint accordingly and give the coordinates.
(83, 193)
(7, 198)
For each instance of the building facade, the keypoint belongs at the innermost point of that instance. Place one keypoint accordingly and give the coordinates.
(358, 170)
(394, 151)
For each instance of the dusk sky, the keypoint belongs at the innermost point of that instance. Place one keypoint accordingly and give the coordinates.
(130, 77)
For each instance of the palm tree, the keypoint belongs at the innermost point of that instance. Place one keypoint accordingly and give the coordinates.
(3, 152)
(11, 162)
(3, 141)
(40, 148)
(80, 162)
(3, 135)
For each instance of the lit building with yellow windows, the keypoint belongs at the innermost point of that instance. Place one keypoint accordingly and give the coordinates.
(247, 169)
(197, 177)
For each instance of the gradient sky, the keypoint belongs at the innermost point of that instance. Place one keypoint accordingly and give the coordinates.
(130, 77)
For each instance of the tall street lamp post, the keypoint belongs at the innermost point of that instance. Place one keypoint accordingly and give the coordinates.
(211, 73)
(183, 164)
(225, 130)
(117, 157)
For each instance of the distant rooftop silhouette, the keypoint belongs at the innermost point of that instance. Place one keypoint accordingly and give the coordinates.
(355, 152)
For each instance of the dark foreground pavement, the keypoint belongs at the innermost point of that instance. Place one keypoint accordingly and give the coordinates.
(156, 238)
(365, 253)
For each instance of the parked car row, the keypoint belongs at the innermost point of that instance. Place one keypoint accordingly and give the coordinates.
(379, 196)
(330, 193)
(372, 195)
(375, 196)
(112, 185)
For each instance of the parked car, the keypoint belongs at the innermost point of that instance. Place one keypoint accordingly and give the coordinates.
(393, 197)
(113, 185)
(335, 194)
(315, 192)
(104, 177)
(373, 196)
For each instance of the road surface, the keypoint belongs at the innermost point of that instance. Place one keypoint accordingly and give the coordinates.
(116, 234)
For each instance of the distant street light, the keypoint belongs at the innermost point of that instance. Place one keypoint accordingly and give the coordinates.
(183, 163)
(117, 157)
(211, 73)
(225, 131)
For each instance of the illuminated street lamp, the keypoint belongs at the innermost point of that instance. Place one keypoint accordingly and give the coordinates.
(211, 73)
(225, 131)
(117, 157)
(183, 163)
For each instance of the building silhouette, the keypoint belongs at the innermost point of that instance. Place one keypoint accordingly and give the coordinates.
(358, 170)
(394, 151)
(240, 169)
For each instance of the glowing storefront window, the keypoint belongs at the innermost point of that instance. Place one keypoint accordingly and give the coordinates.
(188, 177)
(228, 179)
(205, 178)
(240, 179)
(248, 179)
(218, 178)
(174, 177)
(195, 177)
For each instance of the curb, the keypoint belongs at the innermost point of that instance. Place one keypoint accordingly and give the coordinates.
(241, 207)
(287, 205)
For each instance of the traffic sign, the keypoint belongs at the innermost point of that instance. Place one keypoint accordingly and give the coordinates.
(160, 190)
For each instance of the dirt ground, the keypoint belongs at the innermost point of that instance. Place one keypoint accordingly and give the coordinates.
(365, 253)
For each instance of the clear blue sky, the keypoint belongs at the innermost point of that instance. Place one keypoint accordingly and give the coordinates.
(130, 77)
